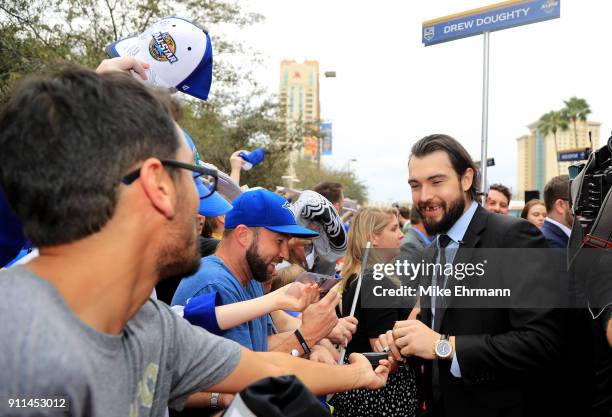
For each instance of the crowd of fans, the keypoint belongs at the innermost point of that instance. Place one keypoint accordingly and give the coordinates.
(127, 219)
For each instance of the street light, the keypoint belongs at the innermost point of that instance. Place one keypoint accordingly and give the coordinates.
(348, 164)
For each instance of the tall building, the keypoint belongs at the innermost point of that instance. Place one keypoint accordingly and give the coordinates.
(537, 156)
(299, 96)
(299, 90)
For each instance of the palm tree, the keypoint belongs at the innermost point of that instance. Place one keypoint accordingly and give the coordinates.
(576, 109)
(552, 122)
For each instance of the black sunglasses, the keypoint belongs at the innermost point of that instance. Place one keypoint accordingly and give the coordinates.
(206, 175)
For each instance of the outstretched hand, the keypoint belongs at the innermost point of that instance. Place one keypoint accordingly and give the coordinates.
(344, 330)
(368, 377)
(296, 296)
(320, 318)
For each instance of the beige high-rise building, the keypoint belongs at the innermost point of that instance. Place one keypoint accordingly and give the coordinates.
(299, 90)
(537, 156)
(299, 96)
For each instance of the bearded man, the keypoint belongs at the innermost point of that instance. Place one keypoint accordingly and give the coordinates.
(478, 361)
(256, 238)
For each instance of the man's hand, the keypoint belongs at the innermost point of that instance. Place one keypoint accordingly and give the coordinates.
(125, 63)
(370, 378)
(320, 318)
(236, 160)
(322, 354)
(385, 343)
(295, 297)
(344, 331)
(413, 338)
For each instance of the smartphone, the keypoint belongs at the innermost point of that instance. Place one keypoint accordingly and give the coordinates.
(375, 357)
(325, 282)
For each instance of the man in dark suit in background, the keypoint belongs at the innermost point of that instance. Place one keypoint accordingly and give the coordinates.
(415, 239)
(558, 223)
(478, 362)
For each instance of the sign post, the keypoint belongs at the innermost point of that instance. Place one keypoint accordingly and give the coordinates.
(484, 139)
(485, 20)
(576, 154)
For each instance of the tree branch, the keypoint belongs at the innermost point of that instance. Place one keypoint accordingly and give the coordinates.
(110, 11)
(28, 23)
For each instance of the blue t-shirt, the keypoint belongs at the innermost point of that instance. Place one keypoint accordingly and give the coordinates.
(215, 276)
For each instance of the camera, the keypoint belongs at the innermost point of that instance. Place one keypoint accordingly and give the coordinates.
(590, 244)
(592, 200)
(596, 184)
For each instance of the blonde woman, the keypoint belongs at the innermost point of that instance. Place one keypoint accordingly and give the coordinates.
(381, 227)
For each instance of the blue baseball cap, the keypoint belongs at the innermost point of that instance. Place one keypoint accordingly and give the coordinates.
(212, 206)
(179, 54)
(12, 238)
(263, 208)
(255, 157)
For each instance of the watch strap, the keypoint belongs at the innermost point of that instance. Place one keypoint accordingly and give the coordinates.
(302, 342)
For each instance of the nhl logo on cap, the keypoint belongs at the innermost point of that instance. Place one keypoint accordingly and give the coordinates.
(162, 47)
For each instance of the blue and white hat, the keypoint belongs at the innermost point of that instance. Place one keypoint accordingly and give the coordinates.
(179, 54)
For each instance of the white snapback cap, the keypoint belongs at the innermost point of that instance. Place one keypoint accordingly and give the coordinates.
(179, 54)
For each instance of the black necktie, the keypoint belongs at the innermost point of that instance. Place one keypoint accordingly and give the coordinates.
(443, 241)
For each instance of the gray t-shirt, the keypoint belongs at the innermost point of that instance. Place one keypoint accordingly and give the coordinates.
(46, 351)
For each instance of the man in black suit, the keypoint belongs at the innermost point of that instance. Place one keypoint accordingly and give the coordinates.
(558, 223)
(494, 361)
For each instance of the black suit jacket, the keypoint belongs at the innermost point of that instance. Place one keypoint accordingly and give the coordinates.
(508, 357)
(555, 237)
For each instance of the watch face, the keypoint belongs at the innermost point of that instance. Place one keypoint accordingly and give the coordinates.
(444, 348)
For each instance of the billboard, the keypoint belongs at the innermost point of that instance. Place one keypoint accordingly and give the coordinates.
(310, 146)
(326, 138)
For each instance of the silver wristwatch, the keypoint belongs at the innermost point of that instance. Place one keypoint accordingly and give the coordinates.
(443, 347)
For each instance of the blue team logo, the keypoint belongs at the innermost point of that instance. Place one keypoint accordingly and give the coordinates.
(162, 47)
(287, 206)
(550, 6)
(429, 33)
